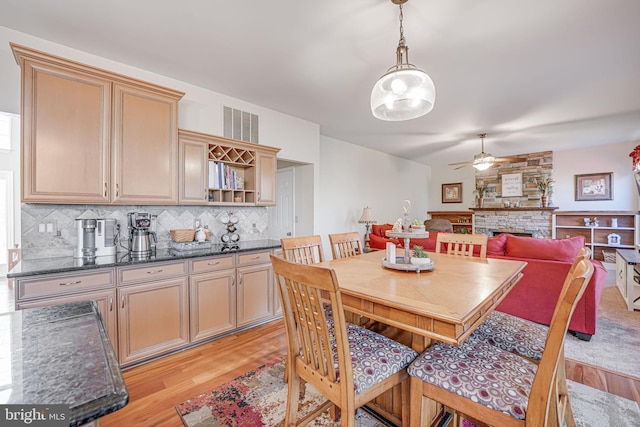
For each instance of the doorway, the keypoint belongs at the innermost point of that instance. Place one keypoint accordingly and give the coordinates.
(293, 213)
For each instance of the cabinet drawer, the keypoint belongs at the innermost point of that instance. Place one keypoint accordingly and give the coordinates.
(212, 264)
(152, 271)
(254, 258)
(64, 284)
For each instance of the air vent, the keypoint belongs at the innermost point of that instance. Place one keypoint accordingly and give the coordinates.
(240, 125)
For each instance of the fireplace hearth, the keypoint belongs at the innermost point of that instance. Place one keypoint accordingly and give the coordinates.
(530, 222)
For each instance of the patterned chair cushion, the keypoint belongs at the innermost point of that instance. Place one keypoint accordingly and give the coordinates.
(480, 372)
(513, 334)
(373, 357)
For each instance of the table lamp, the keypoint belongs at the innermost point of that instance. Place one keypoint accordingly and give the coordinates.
(367, 219)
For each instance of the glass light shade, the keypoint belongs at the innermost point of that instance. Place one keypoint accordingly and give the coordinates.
(483, 161)
(403, 93)
(367, 216)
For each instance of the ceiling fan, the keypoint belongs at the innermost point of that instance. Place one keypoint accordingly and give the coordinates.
(484, 161)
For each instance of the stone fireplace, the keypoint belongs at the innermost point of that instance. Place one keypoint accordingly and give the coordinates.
(528, 221)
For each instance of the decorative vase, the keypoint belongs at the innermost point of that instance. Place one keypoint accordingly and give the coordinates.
(543, 201)
(480, 202)
(419, 261)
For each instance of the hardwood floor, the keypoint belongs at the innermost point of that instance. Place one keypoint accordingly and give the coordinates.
(156, 387)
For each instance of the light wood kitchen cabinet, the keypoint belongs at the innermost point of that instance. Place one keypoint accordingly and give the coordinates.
(153, 310)
(65, 134)
(255, 288)
(193, 172)
(92, 136)
(229, 173)
(212, 304)
(153, 318)
(266, 179)
(145, 146)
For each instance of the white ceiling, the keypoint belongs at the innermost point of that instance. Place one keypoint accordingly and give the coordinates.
(534, 75)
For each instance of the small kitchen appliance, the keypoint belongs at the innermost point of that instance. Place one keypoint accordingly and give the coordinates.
(96, 238)
(142, 235)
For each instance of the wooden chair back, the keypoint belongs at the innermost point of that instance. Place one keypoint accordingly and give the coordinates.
(303, 288)
(345, 244)
(462, 244)
(302, 250)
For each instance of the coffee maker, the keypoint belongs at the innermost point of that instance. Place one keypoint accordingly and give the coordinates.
(142, 235)
(96, 238)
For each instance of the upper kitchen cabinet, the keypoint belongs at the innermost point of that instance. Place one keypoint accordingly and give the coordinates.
(219, 171)
(91, 136)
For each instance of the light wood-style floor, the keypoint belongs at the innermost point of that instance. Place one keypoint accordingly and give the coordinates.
(156, 387)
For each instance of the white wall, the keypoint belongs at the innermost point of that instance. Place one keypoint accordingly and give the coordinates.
(609, 158)
(448, 175)
(352, 177)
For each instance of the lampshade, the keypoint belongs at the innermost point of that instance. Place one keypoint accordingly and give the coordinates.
(404, 92)
(483, 161)
(367, 216)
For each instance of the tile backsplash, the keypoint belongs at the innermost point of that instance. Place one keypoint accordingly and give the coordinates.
(59, 236)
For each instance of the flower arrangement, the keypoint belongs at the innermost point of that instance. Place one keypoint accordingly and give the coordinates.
(545, 185)
(419, 252)
(481, 188)
(417, 223)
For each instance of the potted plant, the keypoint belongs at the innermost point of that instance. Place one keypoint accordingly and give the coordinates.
(417, 226)
(419, 256)
(545, 187)
(481, 189)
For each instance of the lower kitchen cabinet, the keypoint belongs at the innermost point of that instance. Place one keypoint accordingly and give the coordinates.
(255, 294)
(212, 303)
(106, 304)
(153, 318)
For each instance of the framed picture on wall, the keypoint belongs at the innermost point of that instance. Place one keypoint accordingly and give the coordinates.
(594, 186)
(452, 193)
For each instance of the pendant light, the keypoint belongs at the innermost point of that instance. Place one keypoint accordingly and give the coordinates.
(404, 92)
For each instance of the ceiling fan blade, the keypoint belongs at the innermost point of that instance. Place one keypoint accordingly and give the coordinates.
(461, 163)
(463, 166)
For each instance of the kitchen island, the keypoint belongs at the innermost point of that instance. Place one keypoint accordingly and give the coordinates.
(60, 355)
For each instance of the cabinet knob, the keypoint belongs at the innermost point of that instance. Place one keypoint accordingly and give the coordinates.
(105, 189)
(155, 271)
(213, 263)
(122, 300)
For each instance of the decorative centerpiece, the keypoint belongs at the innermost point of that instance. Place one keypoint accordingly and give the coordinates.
(545, 187)
(417, 226)
(419, 256)
(481, 190)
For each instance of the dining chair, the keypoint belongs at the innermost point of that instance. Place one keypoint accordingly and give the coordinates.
(516, 335)
(302, 250)
(345, 244)
(496, 387)
(347, 364)
(462, 244)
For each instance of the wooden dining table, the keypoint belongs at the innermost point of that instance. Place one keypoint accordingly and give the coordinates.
(446, 303)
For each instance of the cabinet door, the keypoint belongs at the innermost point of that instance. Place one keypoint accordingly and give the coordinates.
(193, 173)
(65, 140)
(152, 318)
(255, 293)
(212, 304)
(266, 179)
(145, 160)
(106, 304)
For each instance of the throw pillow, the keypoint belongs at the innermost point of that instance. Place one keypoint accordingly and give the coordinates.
(555, 250)
(381, 229)
(496, 245)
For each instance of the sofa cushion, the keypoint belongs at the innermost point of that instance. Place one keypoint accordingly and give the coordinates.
(381, 229)
(497, 245)
(556, 250)
(377, 242)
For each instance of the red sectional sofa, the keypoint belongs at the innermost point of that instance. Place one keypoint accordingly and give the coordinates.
(535, 296)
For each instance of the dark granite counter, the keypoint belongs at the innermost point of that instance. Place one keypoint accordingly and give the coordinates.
(30, 267)
(61, 355)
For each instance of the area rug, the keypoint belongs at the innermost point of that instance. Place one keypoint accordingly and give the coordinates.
(258, 397)
(616, 341)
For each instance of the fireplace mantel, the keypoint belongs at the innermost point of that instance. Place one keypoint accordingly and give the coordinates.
(521, 209)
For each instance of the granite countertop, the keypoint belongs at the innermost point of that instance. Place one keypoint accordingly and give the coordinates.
(61, 355)
(30, 267)
(632, 256)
